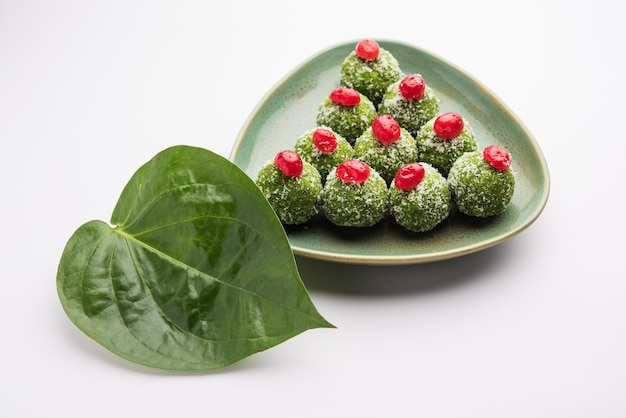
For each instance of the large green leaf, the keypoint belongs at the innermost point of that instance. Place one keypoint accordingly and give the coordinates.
(197, 273)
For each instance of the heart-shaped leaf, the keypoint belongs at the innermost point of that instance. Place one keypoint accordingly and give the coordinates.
(196, 274)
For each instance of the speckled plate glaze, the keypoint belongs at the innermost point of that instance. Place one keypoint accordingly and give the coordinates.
(290, 108)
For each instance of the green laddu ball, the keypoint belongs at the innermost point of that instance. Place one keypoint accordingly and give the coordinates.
(443, 139)
(370, 69)
(324, 149)
(419, 197)
(347, 112)
(482, 183)
(411, 102)
(354, 195)
(291, 186)
(385, 147)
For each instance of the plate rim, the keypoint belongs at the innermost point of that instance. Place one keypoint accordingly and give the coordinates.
(417, 258)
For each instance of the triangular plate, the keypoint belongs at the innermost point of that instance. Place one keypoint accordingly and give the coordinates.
(290, 108)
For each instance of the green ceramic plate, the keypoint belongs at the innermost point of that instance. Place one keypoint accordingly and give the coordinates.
(290, 108)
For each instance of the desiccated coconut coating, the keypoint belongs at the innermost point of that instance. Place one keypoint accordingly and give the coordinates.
(355, 204)
(347, 121)
(441, 153)
(294, 199)
(424, 206)
(386, 159)
(323, 161)
(478, 188)
(411, 114)
(370, 77)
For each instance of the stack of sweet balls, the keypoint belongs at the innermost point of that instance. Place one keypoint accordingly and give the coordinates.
(381, 146)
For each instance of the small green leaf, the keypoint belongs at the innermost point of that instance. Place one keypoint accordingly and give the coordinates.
(197, 273)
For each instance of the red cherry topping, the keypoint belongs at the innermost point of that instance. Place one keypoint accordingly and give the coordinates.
(448, 125)
(345, 96)
(412, 87)
(386, 129)
(409, 176)
(367, 49)
(497, 157)
(289, 163)
(324, 140)
(353, 171)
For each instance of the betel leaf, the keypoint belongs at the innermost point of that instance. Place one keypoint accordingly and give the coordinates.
(196, 273)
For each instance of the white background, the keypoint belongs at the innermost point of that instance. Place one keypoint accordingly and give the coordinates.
(534, 327)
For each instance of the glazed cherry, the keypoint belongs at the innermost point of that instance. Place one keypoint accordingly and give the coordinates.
(324, 140)
(353, 171)
(367, 50)
(289, 163)
(386, 129)
(412, 87)
(497, 157)
(345, 96)
(448, 125)
(409, 176)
